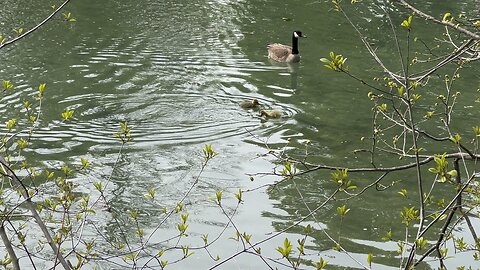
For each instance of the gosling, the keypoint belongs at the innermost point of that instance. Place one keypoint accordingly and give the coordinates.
(250, 104)
(271, 113)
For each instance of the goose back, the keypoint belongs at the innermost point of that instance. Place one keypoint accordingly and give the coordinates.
(279, 52)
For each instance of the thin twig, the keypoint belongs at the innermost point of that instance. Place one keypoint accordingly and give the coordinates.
(446, 23)
(12, 41)
(8, 246)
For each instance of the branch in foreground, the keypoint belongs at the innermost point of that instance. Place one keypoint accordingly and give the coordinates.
(33, 209)
(426, 159)
(431, 18)
(36, 26)
(9, 247)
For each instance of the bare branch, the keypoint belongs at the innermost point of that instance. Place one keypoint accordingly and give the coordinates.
(33, 209)
(9, 247)
(431, 18)
(10, 42)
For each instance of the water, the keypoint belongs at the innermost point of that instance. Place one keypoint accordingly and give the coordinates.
(176, 71)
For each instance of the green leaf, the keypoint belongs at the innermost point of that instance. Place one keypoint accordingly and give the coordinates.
(68, 17)
(421, 243)
(407, 23)
(476, 130)
(247, 237)
(336, 62)
(308, 229)
(7, 85)
(179, 207)
(452, 173)
(321, 264)
(239, 195)
(342, 211)
(22, 143)
(208, 152)
(49, 174)
(324, 60)
(456, 138)
(150, 194)
(184, 217)
(41, 89)
(460, 244)
(205, 239)
(408, 215)
(388, 236)
(447, 17)
(85, 163)
(382, 107)
(403, 192)
(98, 186)
(476, 24)
(11, 124)
(286, 250)
(416, 97)
(134, 214)
(18, 31)
(67, 114)
(428, 115)
(125, 135)
(218, 196)
(370, 259)
(289, 170)
(401, 247)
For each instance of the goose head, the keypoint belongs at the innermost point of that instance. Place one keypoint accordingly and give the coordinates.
(298, 34)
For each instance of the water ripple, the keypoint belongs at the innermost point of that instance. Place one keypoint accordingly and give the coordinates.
(172, 88)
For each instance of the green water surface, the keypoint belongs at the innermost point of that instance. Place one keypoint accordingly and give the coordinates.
(176, 71)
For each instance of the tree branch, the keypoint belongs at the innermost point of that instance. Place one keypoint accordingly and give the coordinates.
(33, 209)
(431, 18)
(10, 42)
(9, 247)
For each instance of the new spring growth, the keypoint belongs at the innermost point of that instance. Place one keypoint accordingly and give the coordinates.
(11, 124)
(7, 85)
(125, 134)
(335, 63)
(67, 114)
(407, 23)
(321, 264)
(41, 90)
(218, 197)
(441, 170)
(286, 250)
(182, 227)
(342, 211)
(208, 152)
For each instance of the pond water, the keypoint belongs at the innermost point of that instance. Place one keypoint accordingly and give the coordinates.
(176, 71)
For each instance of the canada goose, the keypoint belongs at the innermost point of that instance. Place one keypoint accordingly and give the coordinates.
(249, 104)
(284, 53)
(271, 113)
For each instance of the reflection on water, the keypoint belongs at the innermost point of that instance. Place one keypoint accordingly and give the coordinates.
(176, 71)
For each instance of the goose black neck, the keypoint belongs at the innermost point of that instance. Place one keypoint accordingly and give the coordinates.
(294, 44)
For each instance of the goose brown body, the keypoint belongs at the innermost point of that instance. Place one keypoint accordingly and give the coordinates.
(282, 53)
